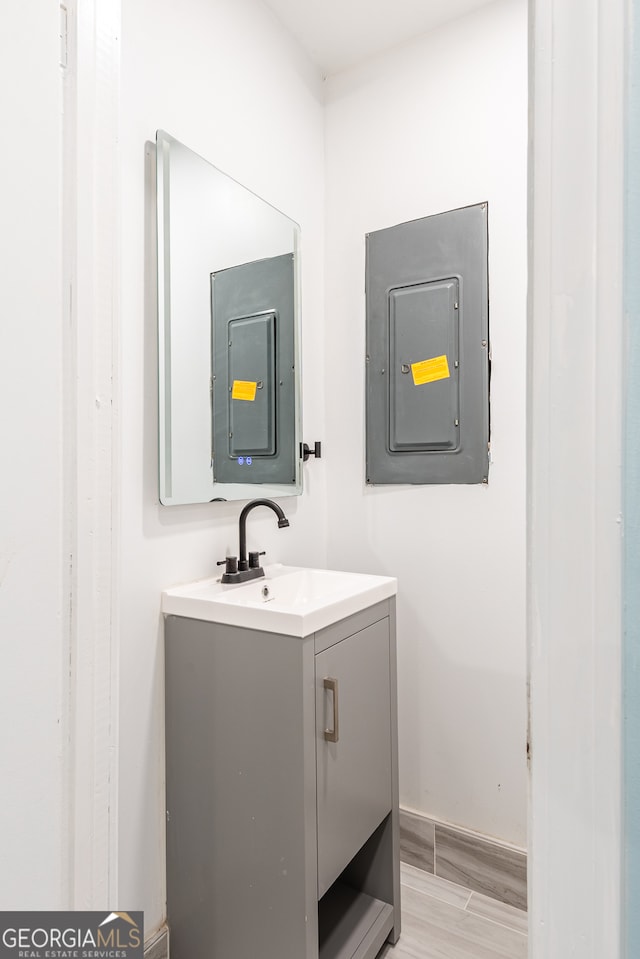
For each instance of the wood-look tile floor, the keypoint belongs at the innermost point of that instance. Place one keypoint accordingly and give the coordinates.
(443, 921)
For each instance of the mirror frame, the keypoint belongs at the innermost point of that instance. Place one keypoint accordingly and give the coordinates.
(166, 336)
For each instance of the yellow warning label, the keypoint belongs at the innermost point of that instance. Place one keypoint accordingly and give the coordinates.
(243, 390)
(426, 371)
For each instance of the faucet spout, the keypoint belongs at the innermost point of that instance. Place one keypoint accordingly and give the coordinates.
(243, 563)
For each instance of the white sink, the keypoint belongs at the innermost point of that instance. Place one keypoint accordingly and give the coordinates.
(290, 599)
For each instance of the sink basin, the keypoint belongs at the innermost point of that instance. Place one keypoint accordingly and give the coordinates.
(290, 599)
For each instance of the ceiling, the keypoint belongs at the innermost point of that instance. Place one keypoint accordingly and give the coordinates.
(339, 33)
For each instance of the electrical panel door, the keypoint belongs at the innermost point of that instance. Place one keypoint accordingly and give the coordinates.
(253, 381)
(423, 325)
(252, 363)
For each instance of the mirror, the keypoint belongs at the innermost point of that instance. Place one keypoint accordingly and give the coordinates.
(228, 336)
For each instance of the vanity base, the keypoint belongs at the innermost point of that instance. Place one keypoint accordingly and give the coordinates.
(260, 804)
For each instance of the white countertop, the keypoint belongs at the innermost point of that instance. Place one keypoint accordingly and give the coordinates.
(292, 600)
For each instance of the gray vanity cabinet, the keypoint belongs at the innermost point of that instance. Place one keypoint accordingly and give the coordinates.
(282, 830)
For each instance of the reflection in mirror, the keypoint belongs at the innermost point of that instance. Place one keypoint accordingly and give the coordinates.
(229, 336)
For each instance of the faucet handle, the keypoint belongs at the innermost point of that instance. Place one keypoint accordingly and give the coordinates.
(230, 564)
(254, 560)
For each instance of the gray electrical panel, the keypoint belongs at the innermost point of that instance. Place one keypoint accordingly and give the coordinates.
(253, 385)
(428, 350)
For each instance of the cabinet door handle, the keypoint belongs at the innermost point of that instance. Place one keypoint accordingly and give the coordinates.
(331, 735)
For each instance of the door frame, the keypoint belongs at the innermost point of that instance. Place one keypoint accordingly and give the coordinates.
(90, 31)
(574, 451)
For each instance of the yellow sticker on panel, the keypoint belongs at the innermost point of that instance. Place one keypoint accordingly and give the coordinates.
(243, 390)
(427, 371)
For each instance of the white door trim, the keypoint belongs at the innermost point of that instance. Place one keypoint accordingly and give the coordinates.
(575, 393)
(91, 282)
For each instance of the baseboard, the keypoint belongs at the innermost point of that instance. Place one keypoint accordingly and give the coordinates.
(157, 946)
(468, 859)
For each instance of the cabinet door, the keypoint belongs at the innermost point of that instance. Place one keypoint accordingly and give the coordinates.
(354, 773)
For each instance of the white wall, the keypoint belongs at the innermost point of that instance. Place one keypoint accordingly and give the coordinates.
(222, 78)
(33, 626)
(435, 125)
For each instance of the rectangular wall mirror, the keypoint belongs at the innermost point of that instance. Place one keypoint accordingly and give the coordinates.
(228, 336)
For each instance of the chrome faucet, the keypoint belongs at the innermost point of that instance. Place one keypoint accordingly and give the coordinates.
(241, 569)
